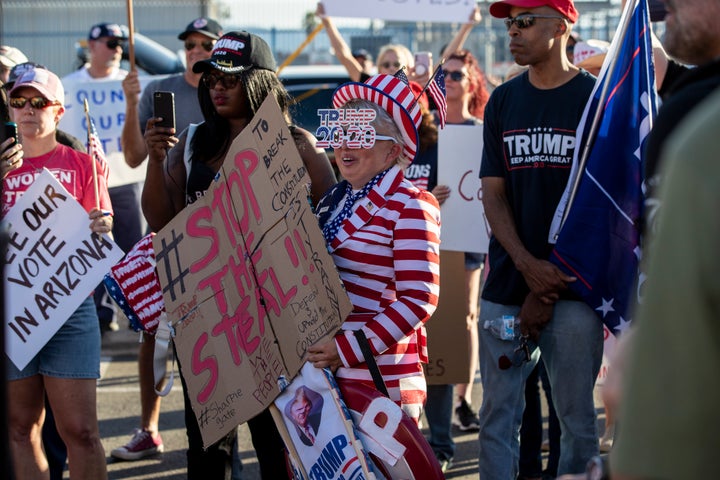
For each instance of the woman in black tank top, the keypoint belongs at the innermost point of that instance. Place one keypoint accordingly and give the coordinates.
(236, 79)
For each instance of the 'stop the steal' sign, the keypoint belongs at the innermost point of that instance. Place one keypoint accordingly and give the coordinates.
(246, 273)
(53, 262)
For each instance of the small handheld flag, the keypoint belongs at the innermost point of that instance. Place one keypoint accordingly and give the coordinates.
(436, 89)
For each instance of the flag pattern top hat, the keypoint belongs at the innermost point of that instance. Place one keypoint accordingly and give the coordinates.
(393, 95)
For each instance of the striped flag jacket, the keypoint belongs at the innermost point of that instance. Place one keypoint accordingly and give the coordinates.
(387, 254)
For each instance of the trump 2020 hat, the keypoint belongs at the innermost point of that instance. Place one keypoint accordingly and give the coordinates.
(565, 7)
(395, 97)
(236, 52)
(206, 26)
(112, 30)
(44, 81)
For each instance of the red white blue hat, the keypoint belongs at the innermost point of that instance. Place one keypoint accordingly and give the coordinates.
(395, 97)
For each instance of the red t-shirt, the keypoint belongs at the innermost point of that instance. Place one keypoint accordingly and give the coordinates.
(70, 167)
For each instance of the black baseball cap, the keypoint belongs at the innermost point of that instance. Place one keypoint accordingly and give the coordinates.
(206, 26)
(361, 52)
(18, 70)
(235, 52)
(108, 30)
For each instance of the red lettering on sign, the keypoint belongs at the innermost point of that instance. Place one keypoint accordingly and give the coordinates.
(200, 365)
(195, 228)
(237, 329)
(246, 162)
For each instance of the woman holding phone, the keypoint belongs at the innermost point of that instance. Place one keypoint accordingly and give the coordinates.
(236, 79)
(67, 367)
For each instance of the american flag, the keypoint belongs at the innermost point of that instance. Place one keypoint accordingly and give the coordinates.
(436, 89)
(599, 242)
(400, 75)
(95, 149)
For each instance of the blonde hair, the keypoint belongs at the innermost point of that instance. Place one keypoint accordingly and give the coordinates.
(405, 56)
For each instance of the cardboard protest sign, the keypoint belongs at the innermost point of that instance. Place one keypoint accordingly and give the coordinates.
(448, 350)
(106, 101)
(247, 280)
(317, 429)
(53, 263)
(464, 226)
(443, 11)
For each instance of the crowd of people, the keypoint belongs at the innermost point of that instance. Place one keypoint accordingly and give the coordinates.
(381, 222)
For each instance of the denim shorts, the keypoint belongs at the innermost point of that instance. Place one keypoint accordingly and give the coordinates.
(473, 260)
(73, 352)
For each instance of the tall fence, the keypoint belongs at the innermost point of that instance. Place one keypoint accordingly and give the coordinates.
(50, 32)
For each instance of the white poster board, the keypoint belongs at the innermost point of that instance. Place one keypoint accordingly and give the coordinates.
(53, 263)
(464, 226)
(106, 101)
(439, 11)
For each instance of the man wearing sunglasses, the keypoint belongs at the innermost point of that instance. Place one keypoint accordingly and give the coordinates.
(105, 43)
(198, 38)
(105, 47)
(529, 140)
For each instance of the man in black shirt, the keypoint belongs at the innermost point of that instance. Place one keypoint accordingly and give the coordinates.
(529, 141)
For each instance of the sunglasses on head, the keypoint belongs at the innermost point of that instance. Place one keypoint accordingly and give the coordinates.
(38, 103)
(527, 20)
(520, 355)
(390, 64)
(207, 45)
(454, 75)
(227, 81)
(113, 43)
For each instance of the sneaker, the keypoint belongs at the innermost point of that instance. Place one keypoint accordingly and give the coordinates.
(141, 445)
(606, 441)
(445, 462)
(465, 419)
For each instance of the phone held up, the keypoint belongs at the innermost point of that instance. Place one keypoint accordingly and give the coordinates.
(422, 63)
(164, 107)
(9, 131)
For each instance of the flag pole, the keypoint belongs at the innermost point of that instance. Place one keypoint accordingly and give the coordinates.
(131, 35)
(92, 157)
(622, 31)
(297, 51)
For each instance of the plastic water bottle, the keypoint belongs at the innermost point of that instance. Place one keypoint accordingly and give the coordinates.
(503, 327)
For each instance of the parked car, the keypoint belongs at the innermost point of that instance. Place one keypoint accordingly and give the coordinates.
(311, 86)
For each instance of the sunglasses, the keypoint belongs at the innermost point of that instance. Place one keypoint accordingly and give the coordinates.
(520, 355)
(207, 45)
(527, 20)
(227, 81)
(390, 64)
(455, 76)
(38, 103)
(355, 135)
(113, 43)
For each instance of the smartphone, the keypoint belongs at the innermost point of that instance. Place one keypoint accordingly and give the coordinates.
(657, 10)
(164, 106)
(9, 131)
(422, 63)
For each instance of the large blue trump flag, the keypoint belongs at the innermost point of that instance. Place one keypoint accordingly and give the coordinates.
(598, 242)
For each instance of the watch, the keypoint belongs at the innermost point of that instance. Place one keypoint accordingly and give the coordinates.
(597, 468)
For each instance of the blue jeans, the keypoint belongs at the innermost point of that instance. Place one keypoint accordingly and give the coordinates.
(572, 345)
(438, 411)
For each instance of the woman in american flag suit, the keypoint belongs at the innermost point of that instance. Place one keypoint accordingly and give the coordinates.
(383, 234)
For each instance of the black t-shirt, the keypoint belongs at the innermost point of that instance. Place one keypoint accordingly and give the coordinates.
(529, 138)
